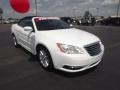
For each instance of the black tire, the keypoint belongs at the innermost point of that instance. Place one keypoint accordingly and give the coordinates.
(15, 41)
(44, 58)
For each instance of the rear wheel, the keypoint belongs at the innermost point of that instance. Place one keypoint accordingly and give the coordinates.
(15, 41)
(45, 58)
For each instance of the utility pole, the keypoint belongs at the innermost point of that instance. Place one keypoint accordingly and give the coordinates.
(97, 11)
(36, 7)
(1, 19)
(118, 8)
(74, 11)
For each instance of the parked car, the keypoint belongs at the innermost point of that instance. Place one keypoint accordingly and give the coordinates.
(76, 21)
(110, 21)
(88, 21)
(67, 20)
(71, 21)
(6, 22)
(58, 45)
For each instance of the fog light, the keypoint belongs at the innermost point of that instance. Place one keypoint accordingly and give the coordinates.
(73, 67)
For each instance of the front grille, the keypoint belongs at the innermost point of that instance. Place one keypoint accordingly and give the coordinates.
(93, 49)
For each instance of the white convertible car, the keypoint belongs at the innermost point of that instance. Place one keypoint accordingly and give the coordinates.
(58, 45)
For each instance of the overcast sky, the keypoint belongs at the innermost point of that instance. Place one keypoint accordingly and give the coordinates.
(65, 8)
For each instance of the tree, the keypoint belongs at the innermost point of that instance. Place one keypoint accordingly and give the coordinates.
(88, 18)
(1, 12)
(87, 15)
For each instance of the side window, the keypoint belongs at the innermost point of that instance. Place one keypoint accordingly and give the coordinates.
(21, 23)
(26, 22)
(29, 23)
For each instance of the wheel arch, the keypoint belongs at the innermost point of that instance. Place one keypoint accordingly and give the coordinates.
(42, 45)
(12, 34)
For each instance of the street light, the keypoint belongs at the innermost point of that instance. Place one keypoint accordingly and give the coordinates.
(118, 8)
(36, 7)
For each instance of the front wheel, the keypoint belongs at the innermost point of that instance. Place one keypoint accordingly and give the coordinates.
(45, 58)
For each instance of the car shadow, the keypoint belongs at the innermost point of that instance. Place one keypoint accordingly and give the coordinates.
(74, 75)
(33, 58)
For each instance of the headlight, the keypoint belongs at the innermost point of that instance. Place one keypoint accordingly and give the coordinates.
(69, 49)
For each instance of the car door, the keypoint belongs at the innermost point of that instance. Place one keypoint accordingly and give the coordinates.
(19, 32)
(28, 37)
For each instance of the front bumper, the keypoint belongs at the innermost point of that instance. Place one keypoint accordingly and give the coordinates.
(76, 62)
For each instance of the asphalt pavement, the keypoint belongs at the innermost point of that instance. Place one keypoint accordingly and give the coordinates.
(20, 70)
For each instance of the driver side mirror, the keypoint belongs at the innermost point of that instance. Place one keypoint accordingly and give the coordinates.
(28, 28)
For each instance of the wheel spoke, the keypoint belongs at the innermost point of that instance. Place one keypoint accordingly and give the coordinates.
(43, 58)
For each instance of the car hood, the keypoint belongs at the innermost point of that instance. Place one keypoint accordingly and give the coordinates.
(70, 36)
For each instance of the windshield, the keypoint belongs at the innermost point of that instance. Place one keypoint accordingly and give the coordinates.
(51, 24)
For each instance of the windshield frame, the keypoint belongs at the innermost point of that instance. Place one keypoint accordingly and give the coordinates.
(67, 26)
